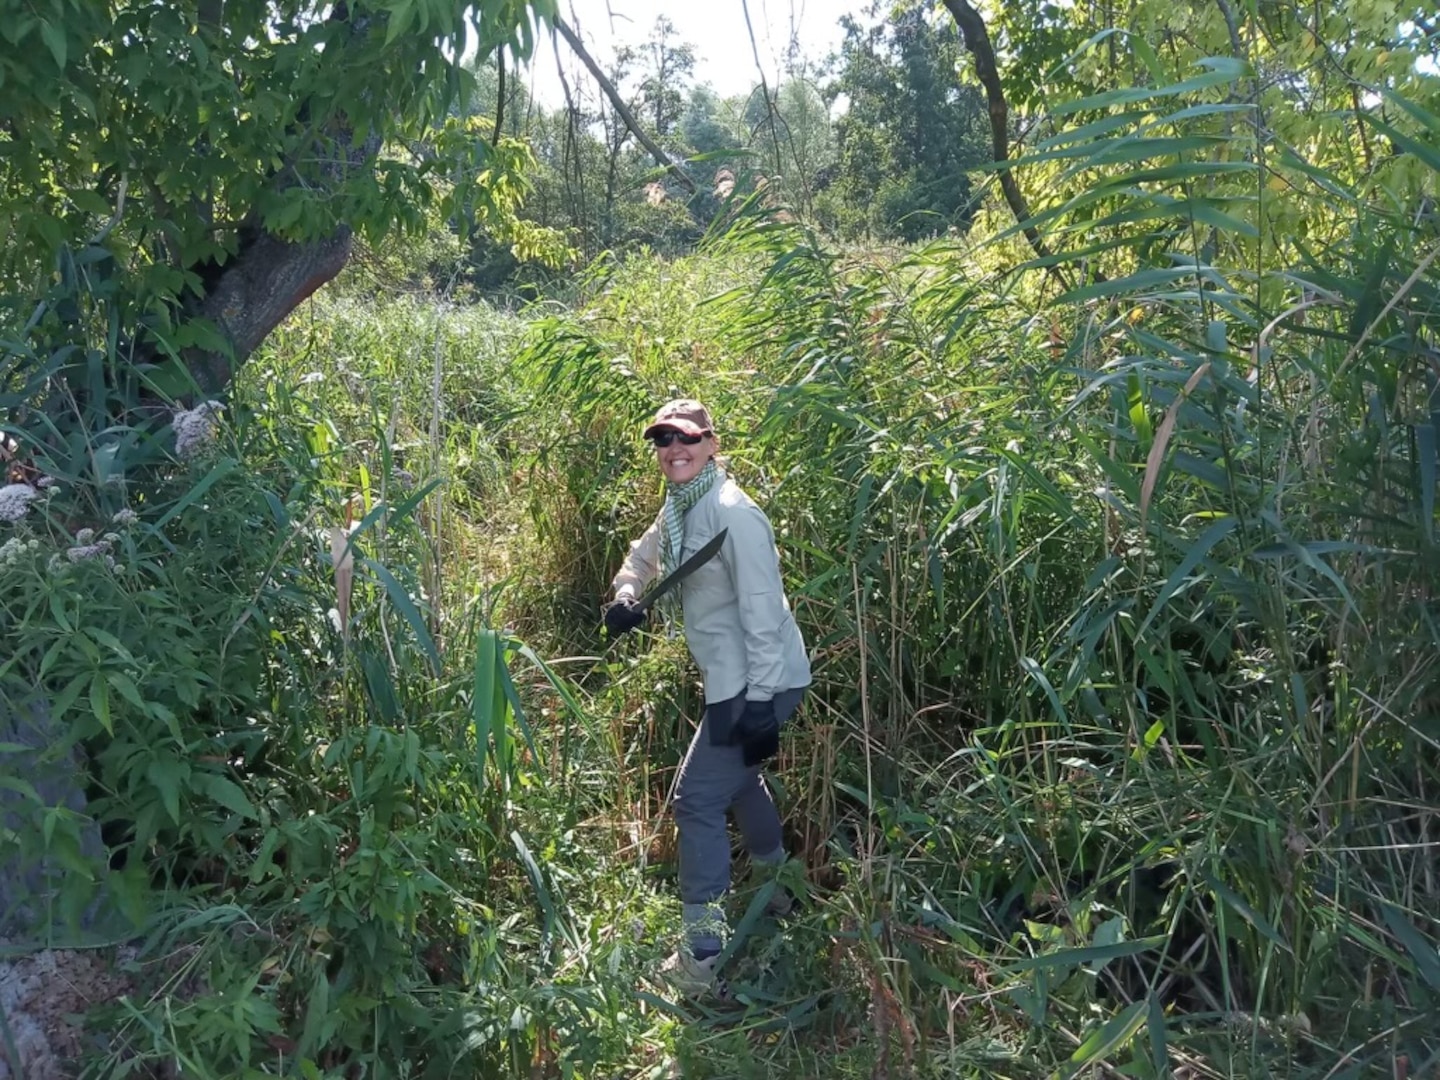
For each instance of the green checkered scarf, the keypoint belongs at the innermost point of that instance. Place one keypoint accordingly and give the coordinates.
(679, 498)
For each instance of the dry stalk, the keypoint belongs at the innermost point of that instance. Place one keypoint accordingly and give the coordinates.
(1162, 440)
(438, 540)
(868, 844)
(1400, 294)
(342, 556)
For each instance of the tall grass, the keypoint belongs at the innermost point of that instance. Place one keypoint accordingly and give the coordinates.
(1122, 749)
(1124, 736)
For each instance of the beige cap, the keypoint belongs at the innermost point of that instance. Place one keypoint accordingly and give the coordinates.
(684, 415)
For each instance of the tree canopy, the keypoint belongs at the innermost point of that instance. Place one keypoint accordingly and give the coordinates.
(218, 155)
(913, 133)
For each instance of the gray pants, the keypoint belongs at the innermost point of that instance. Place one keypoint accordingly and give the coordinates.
(714, 779)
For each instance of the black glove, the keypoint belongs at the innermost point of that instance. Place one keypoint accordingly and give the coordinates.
(624, 614)
(758, 732)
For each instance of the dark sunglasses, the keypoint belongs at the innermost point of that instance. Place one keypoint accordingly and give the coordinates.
(665, 438)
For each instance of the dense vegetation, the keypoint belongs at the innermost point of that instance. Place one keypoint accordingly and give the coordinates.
(1112, 531)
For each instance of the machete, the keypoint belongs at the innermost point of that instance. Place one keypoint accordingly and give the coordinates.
(684, 570)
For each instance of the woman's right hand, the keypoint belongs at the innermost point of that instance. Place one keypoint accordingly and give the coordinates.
(622, 615)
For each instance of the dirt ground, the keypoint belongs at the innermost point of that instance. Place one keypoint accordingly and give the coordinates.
(43, 998)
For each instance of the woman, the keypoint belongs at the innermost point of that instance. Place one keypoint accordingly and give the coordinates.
(751, 657)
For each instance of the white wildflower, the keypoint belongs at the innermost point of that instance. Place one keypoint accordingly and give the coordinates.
(15, 501)
(125, 517)
(111, 538)
(311, 377)
(194, 428)
(46, 483)
(87, 547)
(11, 550)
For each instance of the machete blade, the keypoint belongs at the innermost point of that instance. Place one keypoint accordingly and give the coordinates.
(684, 570)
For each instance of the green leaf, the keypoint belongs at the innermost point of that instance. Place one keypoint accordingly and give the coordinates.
(1034, 670)
(100, 702)
(401, 15)
(166, 774)
(58, 613)
(1139, 418)
(1089, 954)
(1159, 1042)
(537, 879)
(1309, 555)
(1237, 902)
(482, 698)
(395, 513)
(559, 685)
(1430, 155)
(1428, 120)
(64, 701)
(1141, 282)
(406, 606)
(746, 926)
(1197, 551)
(225, 792)
(90, 202)
(1123, 151)
(1124, 480)
(500, 717)
(1112, 1035)
(54, 38)
(512, 696)
(222, 468)
(320, 1019)
(24, 787)
(1106, 125)
(1423, 953)
(263, 863)
(1146, 55)
(1222, 70)
(126, 688)
(1425, 455)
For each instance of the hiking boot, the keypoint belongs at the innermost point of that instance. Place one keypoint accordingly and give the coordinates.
(782, 904)
(694, 976)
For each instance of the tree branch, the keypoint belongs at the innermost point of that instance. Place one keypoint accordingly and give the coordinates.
(770, 109)
(1232, 27)
(977, 41)
(499, 96)
(621, 109)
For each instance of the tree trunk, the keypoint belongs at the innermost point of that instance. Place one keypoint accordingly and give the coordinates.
(265, 281)
(977, 41)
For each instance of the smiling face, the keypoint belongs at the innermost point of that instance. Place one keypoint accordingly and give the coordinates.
(681, 463)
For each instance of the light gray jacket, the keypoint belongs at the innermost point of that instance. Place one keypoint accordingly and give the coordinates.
(737, 621)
